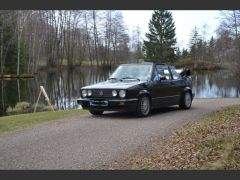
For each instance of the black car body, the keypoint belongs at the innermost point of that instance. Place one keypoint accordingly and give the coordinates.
(139, 88)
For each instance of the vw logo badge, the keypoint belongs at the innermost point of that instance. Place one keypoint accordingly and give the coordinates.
(100, 93)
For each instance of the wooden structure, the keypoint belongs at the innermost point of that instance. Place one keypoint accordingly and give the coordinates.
(42, 90)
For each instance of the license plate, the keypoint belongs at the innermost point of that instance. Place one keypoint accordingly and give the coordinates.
(99, 103)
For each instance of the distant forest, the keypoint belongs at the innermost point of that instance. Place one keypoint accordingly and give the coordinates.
(31, 39)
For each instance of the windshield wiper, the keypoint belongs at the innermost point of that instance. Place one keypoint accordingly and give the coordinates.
(130, 78)
(112, 78)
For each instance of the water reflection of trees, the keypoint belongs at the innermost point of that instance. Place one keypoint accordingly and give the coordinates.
(63, 87)
(13, 91)
(215, 84)
(98, 75)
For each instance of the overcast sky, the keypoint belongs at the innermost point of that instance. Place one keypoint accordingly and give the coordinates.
(185, 21)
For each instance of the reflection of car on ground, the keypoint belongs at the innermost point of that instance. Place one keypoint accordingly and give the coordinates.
(139, 88)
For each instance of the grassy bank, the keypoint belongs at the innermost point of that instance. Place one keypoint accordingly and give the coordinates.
(43, 64)
(13, 76)
(198, 65)
(212, 143)
(18, 122)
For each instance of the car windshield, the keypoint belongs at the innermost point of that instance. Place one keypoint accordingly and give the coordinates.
(138, 72)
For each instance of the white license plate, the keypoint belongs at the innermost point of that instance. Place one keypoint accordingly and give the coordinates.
(102, 103)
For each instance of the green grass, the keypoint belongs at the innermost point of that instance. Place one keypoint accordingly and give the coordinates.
(42, 63)
(22, 121)
(88, 63)
(212, 143)
(84, 62)
(65, 63)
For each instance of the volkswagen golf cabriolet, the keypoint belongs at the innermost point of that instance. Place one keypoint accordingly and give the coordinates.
(139, 88)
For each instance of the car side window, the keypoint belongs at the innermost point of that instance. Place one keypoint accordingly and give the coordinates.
(156, 75)
(175, 74)
(164, 71)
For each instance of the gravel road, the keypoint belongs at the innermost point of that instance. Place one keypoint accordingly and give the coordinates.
(88, 142)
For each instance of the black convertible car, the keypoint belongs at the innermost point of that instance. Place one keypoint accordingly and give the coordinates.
(139, 88)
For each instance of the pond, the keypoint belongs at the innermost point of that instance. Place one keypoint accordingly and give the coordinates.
(63, 86)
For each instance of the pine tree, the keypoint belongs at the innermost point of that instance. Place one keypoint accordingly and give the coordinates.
(211, 49)
(185, 53)
(211, 42)
(195, 38)
(195, 43)
(9, 48)
(160, 46)
(178, 53)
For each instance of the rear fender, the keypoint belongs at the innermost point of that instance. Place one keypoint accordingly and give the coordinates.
(187, 88)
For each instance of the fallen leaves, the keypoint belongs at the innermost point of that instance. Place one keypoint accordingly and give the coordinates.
(213, 143)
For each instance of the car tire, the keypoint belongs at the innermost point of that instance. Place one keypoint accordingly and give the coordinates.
(186, 100)
(95, 112)
(144, 106)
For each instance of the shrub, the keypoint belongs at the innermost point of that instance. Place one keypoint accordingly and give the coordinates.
(39, 108)
(20, 108)
(26, 107)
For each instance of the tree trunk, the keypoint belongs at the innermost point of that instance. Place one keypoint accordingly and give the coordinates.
(18, 54)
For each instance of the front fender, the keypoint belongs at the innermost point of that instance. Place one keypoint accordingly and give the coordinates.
(144, 91)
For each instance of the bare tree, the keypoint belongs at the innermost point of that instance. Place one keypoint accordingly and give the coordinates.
(63, 37)
(231, 22)
(22, 17)
(137, 44)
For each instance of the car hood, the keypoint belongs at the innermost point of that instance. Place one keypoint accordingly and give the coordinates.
(114, 84)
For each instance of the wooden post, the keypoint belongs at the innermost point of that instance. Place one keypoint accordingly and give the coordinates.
(46, 97)
(37, 101)
(42, 90)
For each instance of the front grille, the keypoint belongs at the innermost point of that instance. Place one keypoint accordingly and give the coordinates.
(99, 93)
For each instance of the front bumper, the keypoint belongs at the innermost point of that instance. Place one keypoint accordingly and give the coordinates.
(109, 104)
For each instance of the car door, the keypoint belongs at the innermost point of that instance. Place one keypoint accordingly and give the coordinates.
(162, 90)
(177, 85)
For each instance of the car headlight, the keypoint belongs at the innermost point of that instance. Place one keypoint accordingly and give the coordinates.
(89, 92)
(114, 93)
(122, 93)
(84, 93)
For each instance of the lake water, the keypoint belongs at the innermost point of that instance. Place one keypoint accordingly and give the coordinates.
(63, 86)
